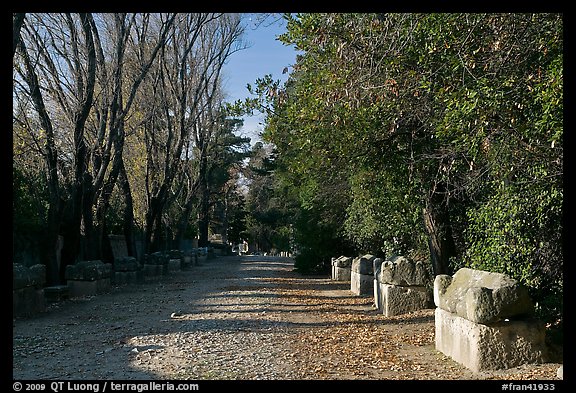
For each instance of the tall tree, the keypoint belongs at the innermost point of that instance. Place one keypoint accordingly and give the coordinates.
(186, 120)
(65, 60)
(70, 85)
(437, 110)
(148, 35)
(175, 96)
(17, 21)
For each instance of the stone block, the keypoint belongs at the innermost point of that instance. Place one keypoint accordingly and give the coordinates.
(20, 276)
(27, 301)
(361, 284)
(156, 258)
(342, 261)
(341, 268)
(88, 271)
(122, 278)
(376, 266)
(363, 265)
(377, 295)
(155, 270)
(399, 270)
(126, 264)
(56, 293)
(481, 296)
(28, 289)
(174, 265)
(341, 273)
(398, 300)
(79, 288)
(496, 346)
(441, 283)
(175, 254)
(38, 275)
(118, 246)
(188, 259)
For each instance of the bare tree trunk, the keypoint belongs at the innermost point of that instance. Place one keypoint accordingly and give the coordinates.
(68, 55)
(92, 247)
(176, 92)
(17, 21)
(437, 225)
(153, 226)
(82, 179)
(128, 216)
(203, 213)
(186, 86)
(55, 203)
(186, 213)
(120, 108)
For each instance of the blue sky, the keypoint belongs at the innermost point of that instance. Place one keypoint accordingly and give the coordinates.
(265, 55)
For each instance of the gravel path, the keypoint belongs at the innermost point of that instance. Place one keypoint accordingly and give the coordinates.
(244, 318)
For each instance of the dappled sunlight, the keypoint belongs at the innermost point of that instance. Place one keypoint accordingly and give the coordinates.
(267, 265)
(394, 150)
(223, 322)
(207, 354)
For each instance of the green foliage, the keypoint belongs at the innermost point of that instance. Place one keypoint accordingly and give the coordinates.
(385, 114)
(236, 214)
(520, 234)
(317, 242)
(30, 201)
(511, 112)
(227, 152)
(380, 220)
(384, 118)
(267, 210)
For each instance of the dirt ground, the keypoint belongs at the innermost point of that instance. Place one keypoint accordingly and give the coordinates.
(238, 318)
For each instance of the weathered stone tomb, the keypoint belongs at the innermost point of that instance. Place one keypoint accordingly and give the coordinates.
(28, 289)
(156, 264)
(362, 275)
(126, 270)
(402, 285)
(485, 321)
(341, 268)
(88, 278)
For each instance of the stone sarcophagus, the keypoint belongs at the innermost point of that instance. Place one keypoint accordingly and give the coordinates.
(402, 286)
(88, 278)
(28, 289)
(341, 268)
(485, 321)
(126, 270)
(362, 275)
(156, 264)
